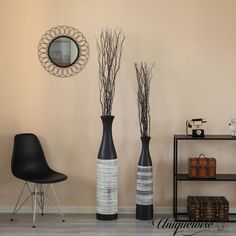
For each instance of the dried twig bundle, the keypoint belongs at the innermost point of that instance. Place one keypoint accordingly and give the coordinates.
(109, 47)
(144, 76)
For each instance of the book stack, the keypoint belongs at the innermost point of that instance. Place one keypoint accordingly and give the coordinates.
(208, 208)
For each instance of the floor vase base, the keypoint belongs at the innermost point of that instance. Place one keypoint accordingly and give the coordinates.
(144, 212)
(107, 217)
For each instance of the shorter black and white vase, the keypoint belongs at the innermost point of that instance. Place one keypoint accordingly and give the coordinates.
(144, 191)
(107, 174)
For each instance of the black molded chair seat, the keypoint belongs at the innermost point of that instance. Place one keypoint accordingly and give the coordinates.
(47, 178)
(29, 162)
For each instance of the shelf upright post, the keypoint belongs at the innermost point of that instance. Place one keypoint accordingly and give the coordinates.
(175, 178)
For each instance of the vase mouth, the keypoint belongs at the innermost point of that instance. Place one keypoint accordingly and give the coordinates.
(145, 138)
(107, 116)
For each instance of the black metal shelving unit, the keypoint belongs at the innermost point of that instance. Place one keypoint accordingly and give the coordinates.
(179, 216)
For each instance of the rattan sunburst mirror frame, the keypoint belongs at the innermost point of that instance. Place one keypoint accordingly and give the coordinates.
(81, 43)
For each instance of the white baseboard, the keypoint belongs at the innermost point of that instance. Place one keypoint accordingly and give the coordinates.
(82, 210)
(92, 210)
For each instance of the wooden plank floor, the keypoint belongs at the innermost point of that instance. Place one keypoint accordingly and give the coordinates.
(87, 225)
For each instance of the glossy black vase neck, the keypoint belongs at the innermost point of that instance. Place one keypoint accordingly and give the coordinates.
(107, 121)
(107, 148)
(145, 157)
(145, 140)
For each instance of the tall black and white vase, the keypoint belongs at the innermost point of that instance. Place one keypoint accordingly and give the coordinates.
(107, 174)
(144, 191)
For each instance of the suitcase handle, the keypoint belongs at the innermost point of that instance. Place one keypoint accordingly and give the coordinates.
(202, 155)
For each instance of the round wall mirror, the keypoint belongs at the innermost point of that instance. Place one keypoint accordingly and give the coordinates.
(63, 51)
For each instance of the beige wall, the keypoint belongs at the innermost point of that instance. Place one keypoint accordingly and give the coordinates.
(193, 45)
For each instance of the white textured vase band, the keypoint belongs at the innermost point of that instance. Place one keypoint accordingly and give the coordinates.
(144, 192)
(107, 185)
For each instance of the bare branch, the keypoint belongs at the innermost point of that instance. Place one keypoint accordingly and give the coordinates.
(144, 76)
(109, 47)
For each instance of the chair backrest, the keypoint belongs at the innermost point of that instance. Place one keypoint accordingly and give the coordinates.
(28, 156)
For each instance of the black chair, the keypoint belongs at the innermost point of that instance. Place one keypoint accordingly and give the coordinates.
(29, 164)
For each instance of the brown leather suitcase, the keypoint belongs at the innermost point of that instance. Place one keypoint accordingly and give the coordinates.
(202, 167)
(205, 208)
